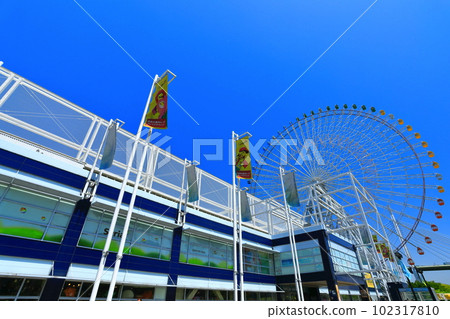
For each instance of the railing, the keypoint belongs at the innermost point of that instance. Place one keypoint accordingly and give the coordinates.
(38, 116)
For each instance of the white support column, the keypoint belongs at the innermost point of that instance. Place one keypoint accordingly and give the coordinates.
(234, 214)
(119, 200)
(297, 274)
(127, 222)
(89, 147)
(10, 91)
(6, 82)
(241, 255)
(86, 138)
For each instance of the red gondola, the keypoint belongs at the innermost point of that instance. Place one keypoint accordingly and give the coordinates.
(428, 240)
(434, 227)
(438, 215)
(411, 262)
(420, 251)
(440, 202)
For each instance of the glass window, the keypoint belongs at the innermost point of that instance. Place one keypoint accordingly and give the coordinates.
(103, 289)
(26, 214)
(310, 259)
(258, 261)
(137, 293)
(196, 294)
(60, 220)
(70, 289)
(251, 295)
(86, 290)
(205, 252)
(10, 286)
(344, 259)
(142, 239)
(32, 287)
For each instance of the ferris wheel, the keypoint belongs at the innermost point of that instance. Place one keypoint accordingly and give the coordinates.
(358, 165)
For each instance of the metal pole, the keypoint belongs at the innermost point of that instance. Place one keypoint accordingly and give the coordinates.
(105, 252)
(298, 284)
(91, 172)
(127, 222)
(233, 197)
(412, 289)
(428, 286)
(180, 204)
(241, 255)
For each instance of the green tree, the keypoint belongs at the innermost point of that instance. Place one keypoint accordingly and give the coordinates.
(438, 287)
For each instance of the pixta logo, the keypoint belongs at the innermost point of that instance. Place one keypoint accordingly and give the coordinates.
(158, 140)
(285, 149)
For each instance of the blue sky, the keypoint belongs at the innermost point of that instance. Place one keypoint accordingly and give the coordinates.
(233, 59)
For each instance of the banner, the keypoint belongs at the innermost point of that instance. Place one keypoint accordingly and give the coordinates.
(246, 215)
(386, 252)
(157, 111)
(192, 183)
(290, 189)
(109, 149)
(377, 246)
(369, 281)
(243, 161)
(405, 270)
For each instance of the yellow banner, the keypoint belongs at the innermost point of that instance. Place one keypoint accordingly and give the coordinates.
(243, 161)
(378, 246)
(368, 276)
(157, 111)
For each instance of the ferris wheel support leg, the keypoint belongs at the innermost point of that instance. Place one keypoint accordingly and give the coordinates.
(393, 265)
(377, 260)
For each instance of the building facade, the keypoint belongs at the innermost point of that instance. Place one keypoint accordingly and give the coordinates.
(51, 239)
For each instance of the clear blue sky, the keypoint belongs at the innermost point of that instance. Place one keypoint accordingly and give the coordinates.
(234, 58)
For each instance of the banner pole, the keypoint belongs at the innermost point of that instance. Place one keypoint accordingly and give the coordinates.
(298, 285)
(105, 252)
(127, 221)
(233, 197)
(241, 255)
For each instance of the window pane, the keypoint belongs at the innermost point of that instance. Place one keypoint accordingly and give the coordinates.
(70, 289)
(137, 293)
(103, 291)
(60, 220)
(54, 234)
(32, 287)
(10, 286)
(65, 207)
(195, 294)
(86, 289)
(86, 240)
(22, 229)
(23, 196)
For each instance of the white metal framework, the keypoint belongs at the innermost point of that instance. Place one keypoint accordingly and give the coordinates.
(363, 176)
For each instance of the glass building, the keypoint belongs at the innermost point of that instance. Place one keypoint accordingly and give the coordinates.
(51, 240)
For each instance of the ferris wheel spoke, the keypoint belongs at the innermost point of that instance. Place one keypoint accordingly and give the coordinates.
(297, 146)
(399, 194)
(402, 214)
